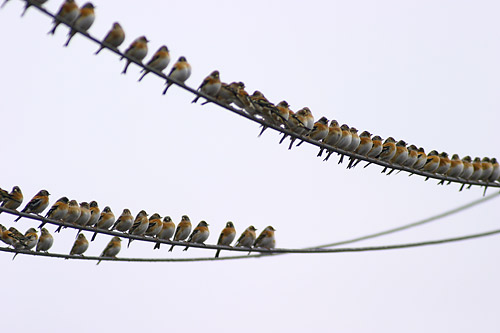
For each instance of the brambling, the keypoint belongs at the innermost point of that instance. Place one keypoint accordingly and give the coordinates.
(37, 204)
(226, 237)
(478, 169)
(158, 62)
(266, 239)
(72, 215)
(210, 85)
(45, 242)
(242, 98)
(401, 154)
(333, 136)
(106, 221)
(412, 156)
(432, 162)
(30, 238)
(112, 249)
(261, 106)
(199, 235)
(137, 51)
(388, 149)
(225, 95)
(114, 38)
(487, 167)
(80, 246)
(7, 236)
(355, 140)
(68, 11)
(421, 159)
(468, 168)
(14, 199)
(85, 214)
(309, 118)
(345, 139)
(3, 194)
(247, 238)
(444, 163)
(124, 222)
(167, 231)
(29, 4)
(58, 211)
(180, 72)
(282, 114)
(302, 124)
(140, 225)
(84, 20)
(296, 123)
(495, 175)
(155, 225)
(18, 238)
(364, 147)
(456, 166)
(95, 213)
(376, 150)
(320, 130)
(183, 230)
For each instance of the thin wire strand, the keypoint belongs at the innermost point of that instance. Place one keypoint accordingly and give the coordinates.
(269, 125)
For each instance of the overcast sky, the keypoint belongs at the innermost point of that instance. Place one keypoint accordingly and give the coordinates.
(423, 71)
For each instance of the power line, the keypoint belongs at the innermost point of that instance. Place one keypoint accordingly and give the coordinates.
(269, 125)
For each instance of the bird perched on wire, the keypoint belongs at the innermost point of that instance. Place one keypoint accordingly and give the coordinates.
(364, 147)
(183, 230)
(199, 235)
(140, 225)
(11, 236)
(283, 113)
(95, 214)
(14, 199)
(266, 239)
(495, 175)
(45, 241)
(85, 214)
(37, 204)
(167, 231)
(456, 166)
(124, 221)
(80, 245)
(400, 155)
(210, 86)
(68, 12)
(412, 156)
(355, 141)
(478, 169)
(113, 38)
(444, 163)
(487, 167)
(468, 168)
(432, 162)
(333, 136)
(58, 211)
(72, 215)
(84, 21)
(226, 237)
(155, 225)
(158, 62)
(106, 221)
(30, 240)
(137, 51)
(180, 72)
(28, 4)
(388, 149)
(112, 249)
(225, 95)
(247, 238)
(421, 159)
(319, 132)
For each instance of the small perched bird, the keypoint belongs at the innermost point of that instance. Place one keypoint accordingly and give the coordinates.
(72, 215)
(412, 156)
(106, 221)
(401, 154)
(266, 239)
(114, 37)
(210, 85)
(345, 139)
(225, 95)
(320, 130)
(30, 238)
(80, 246)
(155, 225)
(140, 225)
(495, 175)
(301, 123)
(45, 242)
(183, 230)
(68, 12)
(124, 222)
(167, 231)
(226, 237)
(95, 214)
(9, 237)
(421, 159)
(478, 169)
(84, 20)
(456, 166)
(242, 98)
(388, 149)
(85, 214)
(364, 147)
(444, 163)
(28, 5)
(158, 62)
(487, 167)
(432, 163)
(180, 72)
(199, 235)
(333, 136)
(355, 140)
(14, 199)
(247, 238)
(37, 204)
(19, 239)
(137, 51)
(58, 211)
(112, 249)
(468, 168)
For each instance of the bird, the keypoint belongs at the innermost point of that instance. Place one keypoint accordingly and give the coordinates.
(261, 106)
(388, 149)
(137, 51)
(30, 240)
(72, 215)
(183, 230)
(106, 221)
(376, 150)
(11, 236)
(45, 241)
(158, 62)
(302, 124)
(495, 175)
(85, 214)
(478, 169)
(333, 136)
(58, 210)
(444, 163)
(226, 237)
(355, 140)
(199, 235)
(468, 168)
(345, 139)
(95, 213)
(167, 231)
(210, 85)
(487, 167)
(412, 156)
(432, 163)
(456, 166)
(124, 221)
(37, 204)
(140, 225)
(421, 159)
(225, 95)
(112, 249)
(364, 147)
(319, 132)
(266, 239)
(113, 38)
(247, 238)
(180, 72)
(84, 20)
(400, 155)
(155, 225)
(80, 246)
(14, 199)
(68, 12)
(282, 114)
(28, 4)
(242, 98)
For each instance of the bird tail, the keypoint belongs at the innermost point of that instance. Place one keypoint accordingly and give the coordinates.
(171, 248)
(126, 67)
(98, 262)
(143, 75)
(217, 254)
(18, 218)
(71, 34)
(59, 229)
(283, 138)
(94, 236)
(187, 247)
(196, 99)
(129, 241)
(53, 30)
(166, 88)
(292, 140)
(28, 5)
(97, 52)
(262, 131)
(157, 246)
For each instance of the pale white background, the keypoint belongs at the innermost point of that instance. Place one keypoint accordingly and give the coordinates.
(423, 71)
